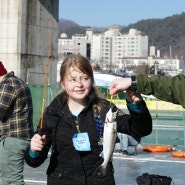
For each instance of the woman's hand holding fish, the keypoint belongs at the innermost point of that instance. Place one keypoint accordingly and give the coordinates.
(37, 142)
(133, 97)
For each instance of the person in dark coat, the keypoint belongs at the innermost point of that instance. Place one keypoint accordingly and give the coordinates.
(78, 112)
(166, 88)
(16, 126)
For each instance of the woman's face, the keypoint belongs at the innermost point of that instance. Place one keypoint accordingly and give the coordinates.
(76, 84)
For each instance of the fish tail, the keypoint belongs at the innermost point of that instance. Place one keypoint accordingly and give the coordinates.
(101, 171)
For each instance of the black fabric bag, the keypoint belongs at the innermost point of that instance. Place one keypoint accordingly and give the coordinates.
(152, 179)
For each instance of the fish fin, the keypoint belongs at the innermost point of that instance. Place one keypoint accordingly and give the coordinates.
(101, 154)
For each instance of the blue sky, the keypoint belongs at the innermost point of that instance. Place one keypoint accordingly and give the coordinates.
(117, 12)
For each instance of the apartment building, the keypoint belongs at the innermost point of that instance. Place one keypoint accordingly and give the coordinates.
(79, 43)
(114, 51)
(107, 48)
(114, 46)
(154, 64)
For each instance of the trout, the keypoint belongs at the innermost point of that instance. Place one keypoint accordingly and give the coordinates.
(109, 138)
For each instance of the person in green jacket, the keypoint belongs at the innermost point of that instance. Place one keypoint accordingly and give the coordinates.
(170, 89)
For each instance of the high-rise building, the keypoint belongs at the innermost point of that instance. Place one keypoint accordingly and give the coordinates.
(107, 48)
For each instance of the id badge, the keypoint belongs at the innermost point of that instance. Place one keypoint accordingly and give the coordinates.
(81, 142)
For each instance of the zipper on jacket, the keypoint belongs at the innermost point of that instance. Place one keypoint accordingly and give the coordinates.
(77, 125)
(76, 120)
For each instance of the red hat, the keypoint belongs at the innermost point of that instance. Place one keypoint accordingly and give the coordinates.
(3, 71)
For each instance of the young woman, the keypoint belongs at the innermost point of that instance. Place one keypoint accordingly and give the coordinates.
(78, 110)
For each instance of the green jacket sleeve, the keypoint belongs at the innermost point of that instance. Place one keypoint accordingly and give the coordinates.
(171, 89)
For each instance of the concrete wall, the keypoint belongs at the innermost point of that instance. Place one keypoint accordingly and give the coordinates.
(28, 28)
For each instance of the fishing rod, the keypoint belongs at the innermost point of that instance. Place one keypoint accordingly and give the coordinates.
(46, 75)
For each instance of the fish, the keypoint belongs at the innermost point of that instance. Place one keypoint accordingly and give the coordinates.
(109, 138)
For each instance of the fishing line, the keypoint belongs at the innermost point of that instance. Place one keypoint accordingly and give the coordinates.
(117, 101)
(111, 98)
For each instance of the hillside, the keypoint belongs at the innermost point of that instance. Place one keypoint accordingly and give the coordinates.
(71, 28)
(162, 33)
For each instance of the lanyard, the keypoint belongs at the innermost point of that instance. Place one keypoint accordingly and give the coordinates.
(98, 121)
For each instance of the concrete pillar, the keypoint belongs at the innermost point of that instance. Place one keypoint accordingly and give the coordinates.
(27, 29)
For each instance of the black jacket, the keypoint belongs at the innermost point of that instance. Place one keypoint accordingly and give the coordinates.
(68, 166)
